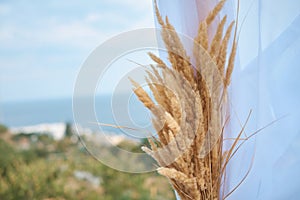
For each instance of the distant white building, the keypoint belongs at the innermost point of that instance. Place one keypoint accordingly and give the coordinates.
(56, 130)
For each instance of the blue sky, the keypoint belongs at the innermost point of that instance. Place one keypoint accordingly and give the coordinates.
(44, 43)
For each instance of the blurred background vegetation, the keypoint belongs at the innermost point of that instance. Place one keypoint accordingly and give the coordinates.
(34, 166)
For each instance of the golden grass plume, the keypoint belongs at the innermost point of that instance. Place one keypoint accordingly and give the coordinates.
(190, 108)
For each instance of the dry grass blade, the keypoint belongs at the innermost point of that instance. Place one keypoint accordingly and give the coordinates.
(230, 65)
(250, 136)
(212, 15)
(202, 37)
(242, 180)
(232, 148)
(142, 95)
(215, 45)
(157, 60)
(221, 60)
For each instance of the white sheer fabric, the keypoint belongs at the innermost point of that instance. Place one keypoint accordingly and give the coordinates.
(267, 80)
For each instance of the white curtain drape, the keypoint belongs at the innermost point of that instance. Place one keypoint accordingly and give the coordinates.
(266, 80)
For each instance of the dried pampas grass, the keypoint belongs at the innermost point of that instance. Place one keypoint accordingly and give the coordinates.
(190, 109)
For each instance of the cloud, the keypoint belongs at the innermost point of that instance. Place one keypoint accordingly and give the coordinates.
(89, 29)
(53, 38)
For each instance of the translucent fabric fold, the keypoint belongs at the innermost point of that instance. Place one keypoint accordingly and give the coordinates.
(266, 80)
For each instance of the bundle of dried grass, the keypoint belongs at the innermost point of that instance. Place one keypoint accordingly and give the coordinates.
(190, 109)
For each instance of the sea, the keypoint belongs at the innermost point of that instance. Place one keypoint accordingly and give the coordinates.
(121, 110)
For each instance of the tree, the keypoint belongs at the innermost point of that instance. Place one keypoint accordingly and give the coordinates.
(69, 130)
(3, 128)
